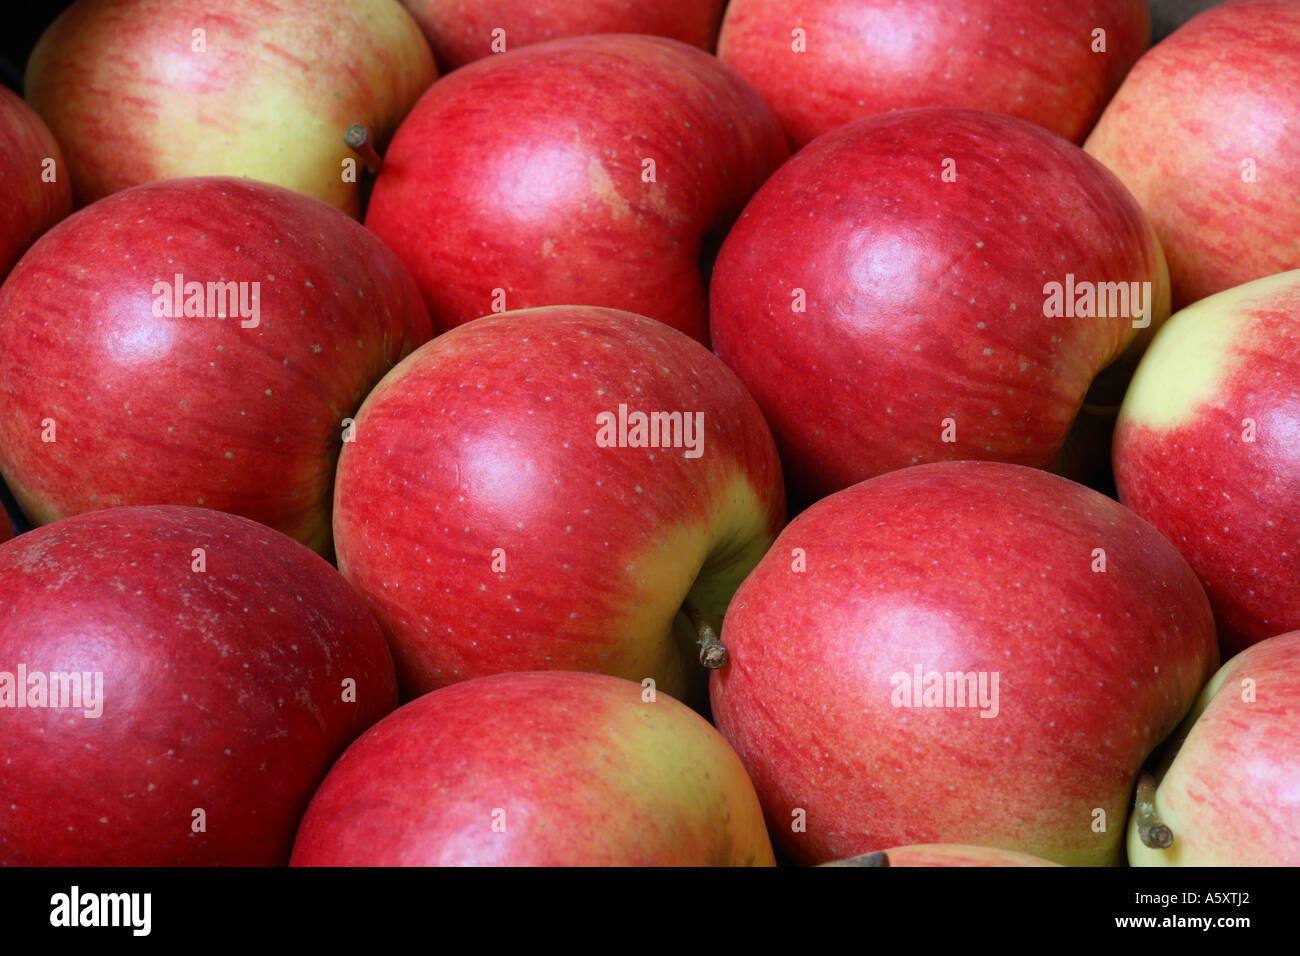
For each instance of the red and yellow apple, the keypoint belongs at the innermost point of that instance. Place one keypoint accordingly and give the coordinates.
(590, 171)
(119, 386)
(537, 769)
(961, 652)
(500, 510)
(1203, 133)
(1207, 450)
(915, 287)
(140, 90)
(823, 63)
(174, 685)
(1229, 786)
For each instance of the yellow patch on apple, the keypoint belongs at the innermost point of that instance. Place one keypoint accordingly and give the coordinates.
(1195, 353)
(723, 553)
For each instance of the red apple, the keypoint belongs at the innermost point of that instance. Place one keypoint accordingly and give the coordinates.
(944, 854)
(208, 671)
(1229, 788)
(140, 90)
(105, 400)
(461, 31)
(34, 189)
(823, 63)
(537, 769)
(501, 511)
(961, 652)
(885, 297)
(1206, 450)
(589, 171)
(1202, 132)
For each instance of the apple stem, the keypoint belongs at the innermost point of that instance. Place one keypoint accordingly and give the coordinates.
(1151, 831)
(358, 137)
(712, 654)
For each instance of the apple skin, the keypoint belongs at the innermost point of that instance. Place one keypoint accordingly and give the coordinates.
(31, 205)
(1229, 786)
(948, 854)
(971, 567)
(585, 769)
(862, 57)
(277, 85)
(196, 411)
(925, 298)
(485, 439)
(1221, 90)
(460, 31)
(222, 689)
(523, 172)
(1182, 461)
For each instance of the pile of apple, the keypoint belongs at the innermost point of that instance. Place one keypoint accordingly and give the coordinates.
(329, 383)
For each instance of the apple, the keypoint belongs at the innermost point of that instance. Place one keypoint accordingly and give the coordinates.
(1229, 787)
(1206, 450)
(141, 90)
(944, 854)
(114, 392)
(504, 507)
(174, 685)
(823, 63)
(1198, 132)
(34, 189)
(537, 769)
(961, 652)
(916, 286)
(588, 171)
(461, 31)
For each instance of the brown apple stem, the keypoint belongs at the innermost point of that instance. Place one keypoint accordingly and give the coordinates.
(1151, 831)
(712, 654)
(358, 137)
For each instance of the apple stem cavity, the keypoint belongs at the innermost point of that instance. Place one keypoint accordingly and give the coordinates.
(1151, 831)
(358, 138)
(712, 654)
